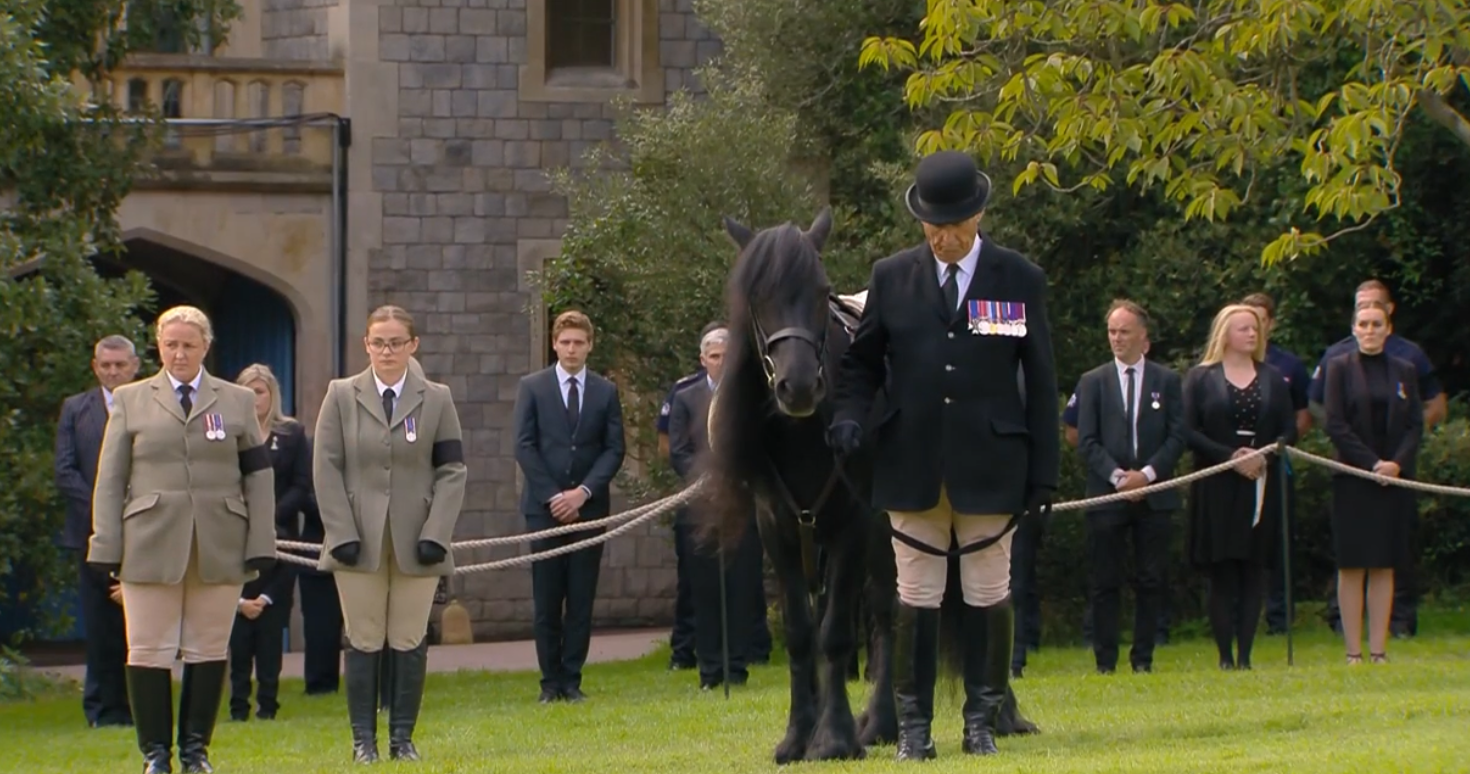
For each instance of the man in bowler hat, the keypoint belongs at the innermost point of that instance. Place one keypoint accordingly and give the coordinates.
(959, 448)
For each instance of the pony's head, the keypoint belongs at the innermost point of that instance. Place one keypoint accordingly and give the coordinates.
(778, 309)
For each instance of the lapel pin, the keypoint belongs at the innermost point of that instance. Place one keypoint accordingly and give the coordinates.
(274, 446)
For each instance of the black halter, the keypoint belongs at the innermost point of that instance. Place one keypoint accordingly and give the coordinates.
(763, 344)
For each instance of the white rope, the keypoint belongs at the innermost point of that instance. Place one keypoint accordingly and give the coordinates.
(1440, 489)
(1143, 491)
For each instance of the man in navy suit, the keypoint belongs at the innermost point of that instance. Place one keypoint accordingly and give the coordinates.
(569, 445)
(78, 442)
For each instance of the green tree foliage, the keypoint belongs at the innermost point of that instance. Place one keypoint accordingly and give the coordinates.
(1195, 98)
(66, 163)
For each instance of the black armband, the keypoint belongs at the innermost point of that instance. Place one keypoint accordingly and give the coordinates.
(254, 460)
(448, 452)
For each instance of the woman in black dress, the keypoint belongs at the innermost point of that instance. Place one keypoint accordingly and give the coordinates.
(1375, 418)
(1235, 402)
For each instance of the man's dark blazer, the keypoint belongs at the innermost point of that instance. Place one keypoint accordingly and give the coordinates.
(689, 428)
(78, 443)
(955, 414)
(1350, 413)
(1104, 438)
(555, 457)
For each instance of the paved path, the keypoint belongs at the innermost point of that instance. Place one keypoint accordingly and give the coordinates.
(515, 656)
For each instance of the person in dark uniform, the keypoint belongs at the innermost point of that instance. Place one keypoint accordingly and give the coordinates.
(265, 603)
(959, 449)
(1375, 420)
(1405, 621)
(1234, 402)
(78, 442)
(1294, 371)
(681, 637)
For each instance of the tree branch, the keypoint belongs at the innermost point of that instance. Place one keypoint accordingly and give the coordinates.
(1444, 115)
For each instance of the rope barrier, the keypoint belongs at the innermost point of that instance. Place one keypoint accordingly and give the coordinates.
(636, 516)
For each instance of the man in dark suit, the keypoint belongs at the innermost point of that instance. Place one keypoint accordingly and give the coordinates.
(1130, 432)
(78, 442)
(569, 445)
(948, 326)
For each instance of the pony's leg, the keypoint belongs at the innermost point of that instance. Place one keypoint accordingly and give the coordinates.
(1011, 722)
(836, 733)
(796, 619)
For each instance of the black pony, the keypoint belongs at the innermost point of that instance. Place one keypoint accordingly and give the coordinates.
(830, 549)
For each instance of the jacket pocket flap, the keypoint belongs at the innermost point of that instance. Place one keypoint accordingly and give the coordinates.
(237, 506)
(1002, 427)
(140, 504)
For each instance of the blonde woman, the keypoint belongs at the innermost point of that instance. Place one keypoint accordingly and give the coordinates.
(390, 477)
(183, 516)
(1234, 402)
(265, 603)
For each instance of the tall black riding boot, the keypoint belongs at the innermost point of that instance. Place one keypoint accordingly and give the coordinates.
(915, 667)
(410, 667)
(199, 698)
(151, 693)
(989, 637)
(361, 677)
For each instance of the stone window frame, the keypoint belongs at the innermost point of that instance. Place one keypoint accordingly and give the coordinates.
(638, 73)
(531, 256)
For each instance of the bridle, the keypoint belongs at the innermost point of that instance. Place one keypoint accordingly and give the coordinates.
(763, 344)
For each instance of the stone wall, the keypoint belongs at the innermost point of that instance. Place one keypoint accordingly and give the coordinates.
(466, 209)
(295, 29)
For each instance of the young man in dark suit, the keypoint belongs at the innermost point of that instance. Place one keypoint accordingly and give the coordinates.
(1130, 433)
(78, 442)
(960, 447)
(569, 445)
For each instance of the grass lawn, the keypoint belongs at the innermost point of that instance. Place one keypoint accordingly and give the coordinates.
(1412, 715)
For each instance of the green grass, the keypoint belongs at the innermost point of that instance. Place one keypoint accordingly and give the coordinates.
(1412, 715)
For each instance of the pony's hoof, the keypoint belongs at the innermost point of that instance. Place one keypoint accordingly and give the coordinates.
(790, 750)
(1017, 726)
(835, 750)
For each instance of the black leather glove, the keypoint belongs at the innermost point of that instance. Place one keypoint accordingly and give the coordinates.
(844, 437)
(430, 552)
(348, 553)
(260, 564)
(104, 569)
(1039, 499)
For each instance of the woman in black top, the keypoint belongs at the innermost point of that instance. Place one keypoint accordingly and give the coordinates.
(1375, 418)
(1233, 403)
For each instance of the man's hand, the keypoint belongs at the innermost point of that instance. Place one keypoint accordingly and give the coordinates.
(844, 437)
(252, 608)
(115, 593)
(1386, 468)
(430, 552)
(566, 505)
(1133, 480)
(348, 553)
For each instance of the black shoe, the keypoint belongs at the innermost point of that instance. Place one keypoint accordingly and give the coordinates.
(573, 694)
(1142, 669)
(239, 717)
(410, 669)
(198, 709)
(1017, 672)
(151, 694)
(679, 666)
(1106, 670)
(266, 715)
(549, 695)
(915, 665)
(989, 636)
(361, 675)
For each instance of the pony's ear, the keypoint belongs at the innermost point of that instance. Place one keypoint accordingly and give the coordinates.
(820, 228)
(737, 232)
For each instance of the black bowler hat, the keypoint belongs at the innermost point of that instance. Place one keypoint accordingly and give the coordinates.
(948, 189)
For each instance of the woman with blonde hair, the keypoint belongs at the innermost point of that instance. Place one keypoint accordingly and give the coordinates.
(1233, 403)
(183, 516)
(390, 479)
(264, 608)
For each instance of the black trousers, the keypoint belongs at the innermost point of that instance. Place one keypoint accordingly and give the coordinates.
(562, 591)
(1276, 612)
(1108, 532)
(321, 627)
(1404, 618)
(742, 568)
(105, 689)
(681, 639)
(258, 643)
(1025, 593)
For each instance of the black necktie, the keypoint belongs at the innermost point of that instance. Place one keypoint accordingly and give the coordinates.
(184, 399)
(951, 288)
(574, 404)
(388, 404)
(1131, 411)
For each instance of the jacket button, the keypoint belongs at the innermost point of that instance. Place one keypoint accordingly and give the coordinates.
(948, 367)
(950, 334)
(947, 400)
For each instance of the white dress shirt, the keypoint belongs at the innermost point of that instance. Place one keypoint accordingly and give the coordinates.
(194, 392)
(966, 272)
(397, 389)
(107, 400)
(1148, 470)
(564, 379)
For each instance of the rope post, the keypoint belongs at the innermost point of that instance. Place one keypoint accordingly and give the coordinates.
(1284, 464)
(724, 626)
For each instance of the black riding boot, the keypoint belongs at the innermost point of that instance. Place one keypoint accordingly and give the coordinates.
(199, 698)
(410, 667)
(915, 665)
(361, 676)
(989, 637)
(151, 693)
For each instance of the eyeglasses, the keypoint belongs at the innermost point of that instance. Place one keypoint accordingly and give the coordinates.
(378, 345)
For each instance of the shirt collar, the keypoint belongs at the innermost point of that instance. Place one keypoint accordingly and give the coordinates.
(562, 375)
(711, 383)
(199, 377)
(1123, 367)
(397, 388)
(967, 264)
